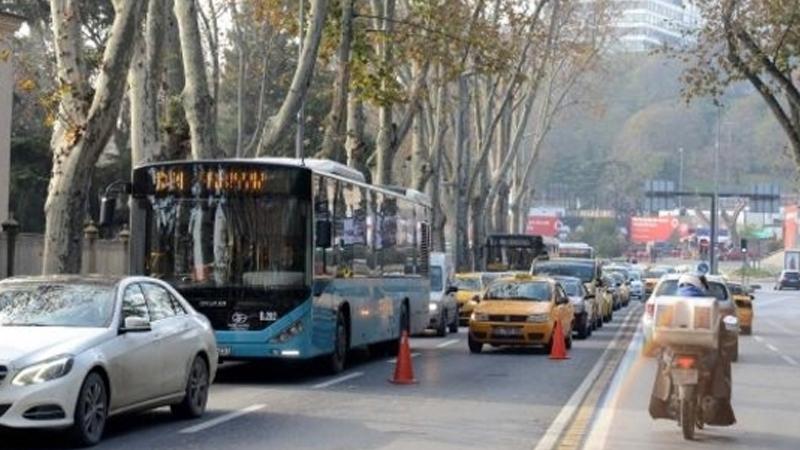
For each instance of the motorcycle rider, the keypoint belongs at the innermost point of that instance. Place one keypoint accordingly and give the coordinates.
(720, 412)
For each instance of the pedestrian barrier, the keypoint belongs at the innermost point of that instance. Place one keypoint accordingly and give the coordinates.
(559, 349)
(403, 372)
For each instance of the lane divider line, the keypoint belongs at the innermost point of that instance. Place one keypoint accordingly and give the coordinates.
(789, 360)
(758, 339)
(394, 360)
(550, 438)
(222, 419)
(773, 348)
(341, 379)
(448, 343)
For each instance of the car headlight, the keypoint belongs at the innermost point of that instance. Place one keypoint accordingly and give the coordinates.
(44, 371)
(433, 307)
(479, 317)
(538, 318)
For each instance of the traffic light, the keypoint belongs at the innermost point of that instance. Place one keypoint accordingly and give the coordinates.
(743, 245)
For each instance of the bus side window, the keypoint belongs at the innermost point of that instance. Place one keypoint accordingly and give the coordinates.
(323, 229)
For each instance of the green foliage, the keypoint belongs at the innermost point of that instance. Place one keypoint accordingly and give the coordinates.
(603, 235)
(30, 174)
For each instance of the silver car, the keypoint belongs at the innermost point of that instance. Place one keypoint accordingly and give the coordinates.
(76, 350)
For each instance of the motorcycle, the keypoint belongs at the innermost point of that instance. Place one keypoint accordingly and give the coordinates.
(692, 384)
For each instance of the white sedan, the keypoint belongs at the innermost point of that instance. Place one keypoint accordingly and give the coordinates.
(76, 350)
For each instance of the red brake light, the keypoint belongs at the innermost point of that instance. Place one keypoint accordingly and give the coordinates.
(685, 362)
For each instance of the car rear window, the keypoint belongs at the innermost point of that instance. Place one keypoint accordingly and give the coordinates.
(670, 287)
(791, 275)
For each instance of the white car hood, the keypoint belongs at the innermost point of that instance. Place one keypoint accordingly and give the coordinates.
(25, 345)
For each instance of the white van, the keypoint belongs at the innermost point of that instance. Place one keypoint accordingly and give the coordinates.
(443, 309)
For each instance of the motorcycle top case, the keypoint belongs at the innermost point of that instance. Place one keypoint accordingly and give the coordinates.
(686, 322)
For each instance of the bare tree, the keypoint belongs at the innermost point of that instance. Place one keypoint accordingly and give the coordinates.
(85, 121)
(197, 102)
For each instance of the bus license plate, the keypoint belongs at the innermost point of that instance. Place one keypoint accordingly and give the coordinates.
(223, 351)
(507, 331)
(684, 376)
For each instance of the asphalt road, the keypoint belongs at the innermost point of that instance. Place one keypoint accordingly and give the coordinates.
(765, 391)
(500, 399)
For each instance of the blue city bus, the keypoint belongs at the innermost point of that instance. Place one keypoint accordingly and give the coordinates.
(287, 258)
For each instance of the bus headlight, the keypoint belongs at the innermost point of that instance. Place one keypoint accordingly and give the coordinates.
(290, 332)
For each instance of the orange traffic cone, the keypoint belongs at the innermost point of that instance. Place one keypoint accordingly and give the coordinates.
(558, 350)
(403, 372)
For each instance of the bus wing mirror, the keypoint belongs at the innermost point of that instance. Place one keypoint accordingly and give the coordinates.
(107, 206)
(323, 234)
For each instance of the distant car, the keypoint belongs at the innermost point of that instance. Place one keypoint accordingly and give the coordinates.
(585, 306)
(636, 284)
(669, 286)
(76, 350)
(788, 279)
(469, 292)
(442, 308)
(521, 311)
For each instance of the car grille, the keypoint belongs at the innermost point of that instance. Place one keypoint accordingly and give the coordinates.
(744, 304)
(507, 318)
(3, 372)
(504, 337)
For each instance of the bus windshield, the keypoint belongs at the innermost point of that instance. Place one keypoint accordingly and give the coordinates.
(227, 242)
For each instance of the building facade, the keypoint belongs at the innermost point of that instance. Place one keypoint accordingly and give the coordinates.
(643, 25)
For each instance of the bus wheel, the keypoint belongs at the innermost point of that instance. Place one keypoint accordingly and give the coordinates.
(337, 359)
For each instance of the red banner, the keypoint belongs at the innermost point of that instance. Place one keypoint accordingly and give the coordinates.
(790, 227)
(543, 225)
(652, 229)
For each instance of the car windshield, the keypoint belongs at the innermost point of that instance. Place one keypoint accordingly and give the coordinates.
(436, 279)
(670, 287)
(468, 284)
(736, 289)
(56, 304)
(585, 272)
(572, 288)
(537, 291)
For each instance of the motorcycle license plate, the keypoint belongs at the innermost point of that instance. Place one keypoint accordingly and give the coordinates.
(684, 376)
(507, 331)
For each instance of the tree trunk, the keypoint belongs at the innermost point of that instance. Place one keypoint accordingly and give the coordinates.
(278, 123)
(197, 102)
(438, 216)
(175, 134)
(332, 141)
(143, 82)
(462, 156)
(354, 142)
(80, 136)
(386, 135)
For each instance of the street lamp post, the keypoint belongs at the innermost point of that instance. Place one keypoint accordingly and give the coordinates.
(680, 179)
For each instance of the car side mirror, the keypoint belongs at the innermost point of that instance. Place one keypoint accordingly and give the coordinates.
(451, 290)
(752, 297)
(134, 324)
(476, 299)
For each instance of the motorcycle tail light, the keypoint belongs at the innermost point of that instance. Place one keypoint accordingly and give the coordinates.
(685, 362)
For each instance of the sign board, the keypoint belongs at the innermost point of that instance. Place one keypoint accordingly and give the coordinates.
(652, 229)
(790, 227)
(543, 226)
(766, 198)
(659, 198)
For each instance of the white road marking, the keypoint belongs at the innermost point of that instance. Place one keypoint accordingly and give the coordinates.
(394, 360)
(773, 348)
(562, 420)
(222, 419)
(758, 339)
(789, 360)
(330, 383)
(447, 343)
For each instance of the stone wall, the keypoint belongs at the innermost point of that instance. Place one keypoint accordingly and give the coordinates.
(109, 254)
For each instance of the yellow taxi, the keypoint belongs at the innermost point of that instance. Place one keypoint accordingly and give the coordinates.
(520, 311)
(650, 278)
(606, 300)
(743, 298)
(469, 292)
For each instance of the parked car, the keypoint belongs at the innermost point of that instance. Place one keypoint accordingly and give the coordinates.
(788, 279)
(521, 311)
(77, 350)
(668, 286)
(443, 308)
(585, 307)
